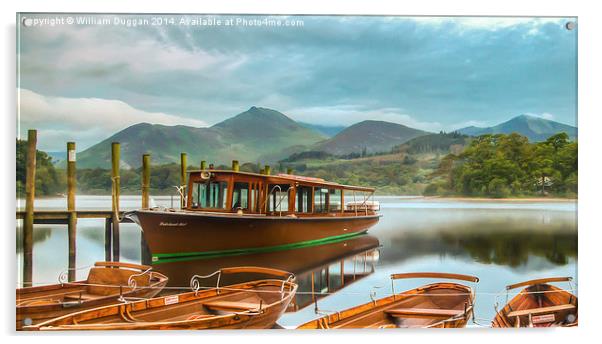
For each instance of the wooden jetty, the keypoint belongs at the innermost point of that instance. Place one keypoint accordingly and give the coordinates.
(112, 217)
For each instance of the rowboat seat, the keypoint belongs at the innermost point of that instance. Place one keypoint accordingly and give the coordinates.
(541, 310)
(77, 296)
(424, 312)
(230, 305)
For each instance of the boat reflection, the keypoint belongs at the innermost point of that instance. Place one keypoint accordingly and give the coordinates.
(320, 269)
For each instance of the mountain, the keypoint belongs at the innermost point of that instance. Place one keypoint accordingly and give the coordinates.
(373, 136)
(245, 137)
(535, 128)
(326, 130)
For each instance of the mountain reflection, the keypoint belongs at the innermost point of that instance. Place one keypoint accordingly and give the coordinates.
(487, 244)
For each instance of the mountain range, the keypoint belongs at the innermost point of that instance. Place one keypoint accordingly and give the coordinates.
(268, 136)
(535, 128)
(246, 137)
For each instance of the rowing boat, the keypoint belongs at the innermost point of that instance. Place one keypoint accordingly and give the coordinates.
(440, 304)
(255, 304)
(538, 305)
(107, 283)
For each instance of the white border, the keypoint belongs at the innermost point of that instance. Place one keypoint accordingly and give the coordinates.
(589, 153)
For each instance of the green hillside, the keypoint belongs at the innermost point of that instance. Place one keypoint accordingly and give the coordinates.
(369, 137)
(248, 136)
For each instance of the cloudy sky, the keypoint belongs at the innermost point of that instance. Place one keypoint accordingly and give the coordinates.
(84, 82)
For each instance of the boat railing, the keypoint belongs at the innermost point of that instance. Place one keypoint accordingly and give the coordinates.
(506, 290)
(279, 200)
(195, 283)
(443, 275)
(132, 279)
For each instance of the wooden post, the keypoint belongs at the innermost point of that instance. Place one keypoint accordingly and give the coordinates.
(30, 190)
(267, 170)
(145, 256)
(72, 225)
(115, 158)
(235, 166)
(203, 165)
(145, 180)
(183, 165)
(289, 171)
(108, 244)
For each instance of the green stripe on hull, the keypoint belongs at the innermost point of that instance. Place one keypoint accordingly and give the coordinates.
(175, 257)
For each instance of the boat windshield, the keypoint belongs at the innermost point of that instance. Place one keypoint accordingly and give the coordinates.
(211, 194)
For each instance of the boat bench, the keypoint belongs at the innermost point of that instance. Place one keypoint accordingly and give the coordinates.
(541, 310)
(230, 305)
(424, 312)
(76, 296)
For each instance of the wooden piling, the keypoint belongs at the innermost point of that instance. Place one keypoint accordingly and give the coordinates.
(268, 170)
(289, 171)
(183, 164)
(30, 188)
(108, 237)
(203, 165)
(235, 166)
(145, 256)
(145, 180)
(115, 158)
(72, 223)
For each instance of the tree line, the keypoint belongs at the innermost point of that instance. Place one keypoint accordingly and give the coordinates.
(504, 165)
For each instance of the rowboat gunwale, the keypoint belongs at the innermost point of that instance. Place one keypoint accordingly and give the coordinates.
(60, 290)
(520, 302)
(232, 319)
(382, 304)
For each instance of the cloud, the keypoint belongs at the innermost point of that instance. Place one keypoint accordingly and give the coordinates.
(351, 114)
(85, 119)
(489, 23)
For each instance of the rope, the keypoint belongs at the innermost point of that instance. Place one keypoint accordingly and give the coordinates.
(320, 293)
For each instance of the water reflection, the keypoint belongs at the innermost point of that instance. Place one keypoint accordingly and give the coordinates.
(320, 270)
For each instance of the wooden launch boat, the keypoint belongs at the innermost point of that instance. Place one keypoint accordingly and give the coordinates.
(538, 305)
(440, 304)
(107, 283)
(228, 212)
(253, 305)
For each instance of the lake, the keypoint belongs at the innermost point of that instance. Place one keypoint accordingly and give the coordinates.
(501, 242)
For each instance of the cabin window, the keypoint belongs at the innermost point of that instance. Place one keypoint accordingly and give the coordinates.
(320, 200)
(303, 204)
(334, 200)
(199, 195)
(240, 196)
(278, 197)
(209, 195)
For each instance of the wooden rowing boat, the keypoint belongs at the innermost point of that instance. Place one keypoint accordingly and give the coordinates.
(434, 305)
(107, 283)
(538, 305)
(256, 304)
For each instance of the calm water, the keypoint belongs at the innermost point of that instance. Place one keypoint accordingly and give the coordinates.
(500, 242)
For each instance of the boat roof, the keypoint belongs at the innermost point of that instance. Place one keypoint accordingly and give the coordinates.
(283, 177)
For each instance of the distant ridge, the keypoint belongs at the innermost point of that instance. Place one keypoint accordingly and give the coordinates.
(535, 128)
(372, 136)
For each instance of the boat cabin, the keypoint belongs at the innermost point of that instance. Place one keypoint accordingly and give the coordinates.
(276, 195)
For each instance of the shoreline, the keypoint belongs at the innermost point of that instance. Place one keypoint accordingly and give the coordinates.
(490, 199)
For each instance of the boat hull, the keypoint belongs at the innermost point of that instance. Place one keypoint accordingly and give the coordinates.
(187, 233)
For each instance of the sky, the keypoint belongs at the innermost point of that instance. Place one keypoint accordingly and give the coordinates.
(85, 77)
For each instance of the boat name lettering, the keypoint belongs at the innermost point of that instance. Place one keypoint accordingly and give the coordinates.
(173, 224)
(546, 318)
(170, 300)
